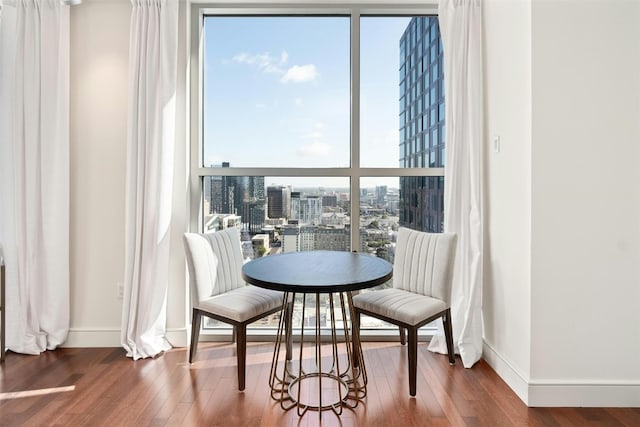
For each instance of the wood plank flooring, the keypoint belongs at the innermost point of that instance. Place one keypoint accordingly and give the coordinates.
(102, 387)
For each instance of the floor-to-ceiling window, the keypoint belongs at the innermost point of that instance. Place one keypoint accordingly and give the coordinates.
(317, 128)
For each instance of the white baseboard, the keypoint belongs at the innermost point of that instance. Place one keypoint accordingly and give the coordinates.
(178, 337)
(560, 392)
(505, 370)
(620, 394)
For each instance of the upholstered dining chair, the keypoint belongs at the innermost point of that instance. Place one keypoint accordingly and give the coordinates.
(218, 291)
(421, 291)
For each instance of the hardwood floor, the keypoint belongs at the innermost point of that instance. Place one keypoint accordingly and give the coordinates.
(100, 386)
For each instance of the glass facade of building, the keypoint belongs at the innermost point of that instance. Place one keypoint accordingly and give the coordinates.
(421, 127)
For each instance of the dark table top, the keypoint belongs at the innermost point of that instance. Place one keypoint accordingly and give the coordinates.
(317, 271)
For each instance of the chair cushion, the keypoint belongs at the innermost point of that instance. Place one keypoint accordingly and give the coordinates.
(243, 303)
(214, 261)
(225, 244)
(398, 304)
(424, 262)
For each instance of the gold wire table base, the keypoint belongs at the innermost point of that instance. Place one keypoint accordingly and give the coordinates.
(303, 383)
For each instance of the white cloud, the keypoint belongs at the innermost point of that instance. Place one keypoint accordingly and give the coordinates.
(313, 135)
(268, 63)
(298, 101)
(263, 61)
(315, 149)
(318, 125)
(300, 73)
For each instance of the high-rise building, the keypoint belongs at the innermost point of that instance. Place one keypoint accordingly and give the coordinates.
(254, 215)
(253, 212)
(381, 196)
(216, 192)
(307, 238)
(422, 139)
(307, 210)
(278, 201)
(256, 185)
(294, 207)
(238, 195)
(332, 238)
(290, 238)
(319, 237)
(329, 201)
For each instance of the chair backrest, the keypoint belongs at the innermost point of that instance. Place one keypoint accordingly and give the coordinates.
(214, 261)
(424, 263)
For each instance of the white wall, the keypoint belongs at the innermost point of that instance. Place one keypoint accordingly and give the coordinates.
(99, 67)
(99, 87)
(572, 186)
(507, 274)
(178, 314)
(585, 246)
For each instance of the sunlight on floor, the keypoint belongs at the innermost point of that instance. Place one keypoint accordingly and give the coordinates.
(39, 392)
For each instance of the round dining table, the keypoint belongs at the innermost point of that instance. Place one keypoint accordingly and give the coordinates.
(313, 282)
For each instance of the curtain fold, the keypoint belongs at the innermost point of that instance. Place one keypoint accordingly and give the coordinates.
(34, 172)
(153, 59)
(461, 31)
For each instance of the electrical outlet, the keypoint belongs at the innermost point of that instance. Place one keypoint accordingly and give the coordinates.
(120, 290)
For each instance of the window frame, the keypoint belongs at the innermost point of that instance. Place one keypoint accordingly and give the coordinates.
(354, 172)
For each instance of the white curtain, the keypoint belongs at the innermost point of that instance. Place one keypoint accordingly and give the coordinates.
(153, 57)
(34, 171)
(461, 30)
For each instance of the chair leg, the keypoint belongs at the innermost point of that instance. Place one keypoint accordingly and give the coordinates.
(412, 352)
(195, 334)
(241, 352)
(403, 339)
(448, 334)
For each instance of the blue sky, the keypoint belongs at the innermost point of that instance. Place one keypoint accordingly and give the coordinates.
(277, 91)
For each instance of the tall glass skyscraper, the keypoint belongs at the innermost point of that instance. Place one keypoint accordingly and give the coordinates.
(279, 201)
(421, 124)
(238, 195)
